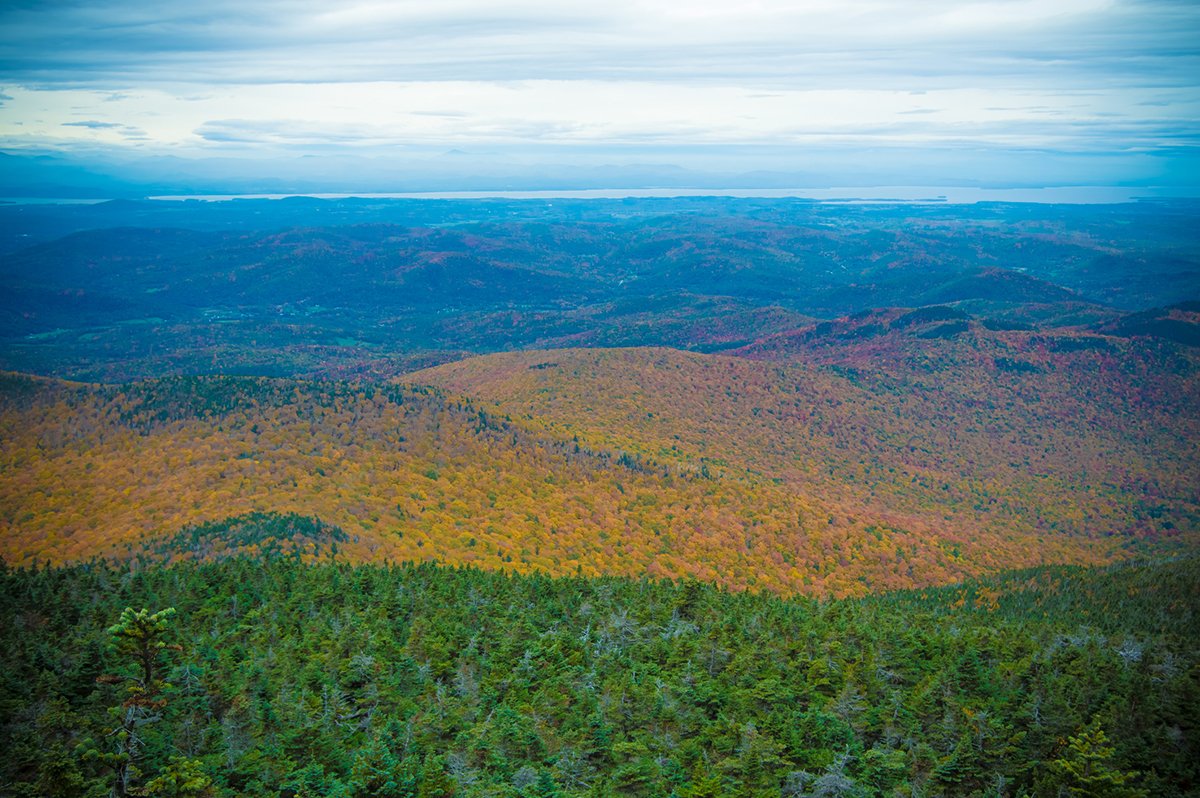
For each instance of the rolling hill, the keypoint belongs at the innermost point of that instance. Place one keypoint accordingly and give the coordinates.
(918, 467)
(767, 394)
(373, 289)
(949, 437)
(696, 497)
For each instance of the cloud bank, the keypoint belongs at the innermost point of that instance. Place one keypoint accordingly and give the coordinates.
(717, 85)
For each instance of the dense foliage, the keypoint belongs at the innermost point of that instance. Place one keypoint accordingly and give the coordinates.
(273, 677)
(199, 589)
(786, 477)
(986, 436)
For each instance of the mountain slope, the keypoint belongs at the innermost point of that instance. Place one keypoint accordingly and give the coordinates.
(948, 437)
(300, 680)
(408, 473)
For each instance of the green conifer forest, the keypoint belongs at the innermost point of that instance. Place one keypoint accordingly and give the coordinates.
(272, 677)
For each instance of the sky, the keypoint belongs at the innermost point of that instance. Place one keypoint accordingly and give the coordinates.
(1004, 91)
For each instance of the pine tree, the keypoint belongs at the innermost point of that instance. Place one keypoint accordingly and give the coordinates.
(1087, 768)
(138, 637)
(181, 778)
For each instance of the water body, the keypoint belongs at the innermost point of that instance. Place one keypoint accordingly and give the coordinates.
(49, 201)
(858, 194)
(952, 195)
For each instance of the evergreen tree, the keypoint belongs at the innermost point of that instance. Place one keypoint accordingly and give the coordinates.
(138, 638)
(1087, 768)
(181, 778)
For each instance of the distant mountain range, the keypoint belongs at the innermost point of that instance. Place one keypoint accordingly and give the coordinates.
(334, 288)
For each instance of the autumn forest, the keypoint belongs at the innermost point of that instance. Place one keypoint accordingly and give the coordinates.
(646, 497)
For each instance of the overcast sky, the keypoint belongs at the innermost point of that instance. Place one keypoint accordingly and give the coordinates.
(720, 85)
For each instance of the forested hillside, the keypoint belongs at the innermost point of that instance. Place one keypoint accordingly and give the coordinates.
(272, 677)
(783, 476)
(678, 498)
(997, 434)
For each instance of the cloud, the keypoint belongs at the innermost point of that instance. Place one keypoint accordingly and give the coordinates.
(93, 124)
(295, 132)
(934, 44)
(650, 78)
(126, 132)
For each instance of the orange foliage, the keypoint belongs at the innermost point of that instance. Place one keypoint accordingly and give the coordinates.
(778, 477)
